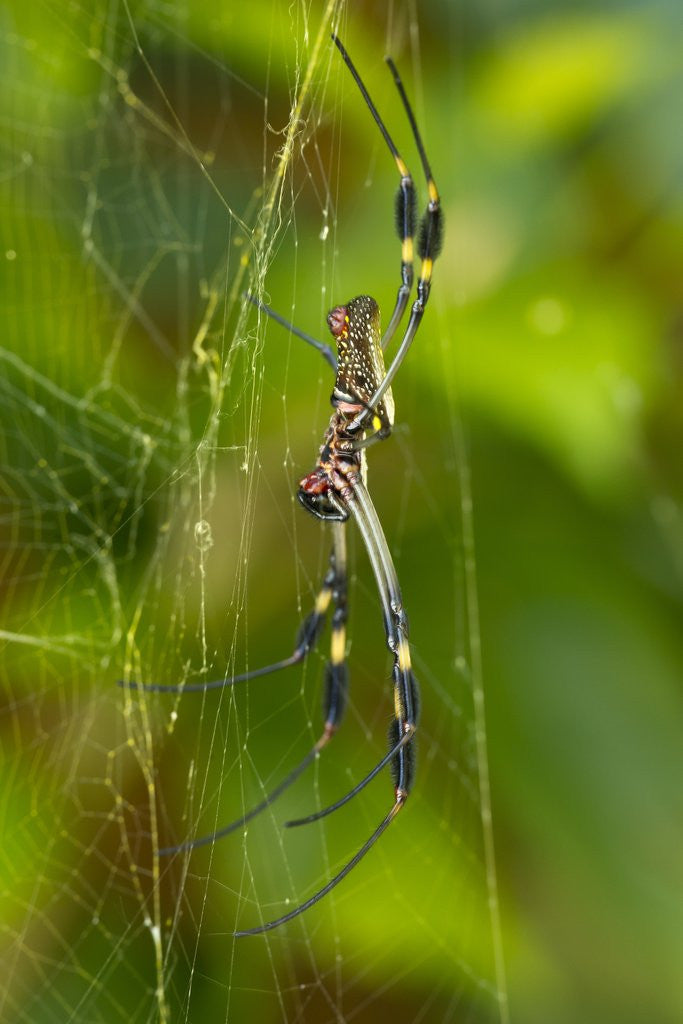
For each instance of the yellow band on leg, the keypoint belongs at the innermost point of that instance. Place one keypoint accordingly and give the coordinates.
(338, 652)
(404, 656)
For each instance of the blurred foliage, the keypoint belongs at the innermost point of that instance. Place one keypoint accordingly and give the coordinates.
(550, 359)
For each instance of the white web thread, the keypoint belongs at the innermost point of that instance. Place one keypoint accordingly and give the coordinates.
(172, 470)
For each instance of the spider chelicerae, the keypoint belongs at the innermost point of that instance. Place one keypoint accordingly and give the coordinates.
(336, 491)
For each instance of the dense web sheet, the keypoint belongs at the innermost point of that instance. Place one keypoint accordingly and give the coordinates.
(156, 164)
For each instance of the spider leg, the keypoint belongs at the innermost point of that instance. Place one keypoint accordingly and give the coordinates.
(324, 350)
(317, 815)
(212, 837)
(269, 925)
(406, 698)
(404, 210)
(405, 687)
(306, 639)
(429, 245)
(428, 248)
(334, 695)
(381, 427)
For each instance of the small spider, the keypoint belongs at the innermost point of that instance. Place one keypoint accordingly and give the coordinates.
(336, 490)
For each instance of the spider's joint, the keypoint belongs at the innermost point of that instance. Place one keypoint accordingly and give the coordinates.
(400, 621)
(330, 730)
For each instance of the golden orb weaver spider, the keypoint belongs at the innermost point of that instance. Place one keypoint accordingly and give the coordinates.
(335, 491)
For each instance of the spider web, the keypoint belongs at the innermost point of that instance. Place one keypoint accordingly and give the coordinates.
(158, 161)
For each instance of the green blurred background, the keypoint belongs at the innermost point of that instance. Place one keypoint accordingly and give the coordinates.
(155, 164)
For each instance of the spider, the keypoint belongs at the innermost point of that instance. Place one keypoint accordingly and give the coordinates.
(335, 491)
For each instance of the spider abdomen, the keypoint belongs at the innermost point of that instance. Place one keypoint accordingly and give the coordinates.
(360, 359)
